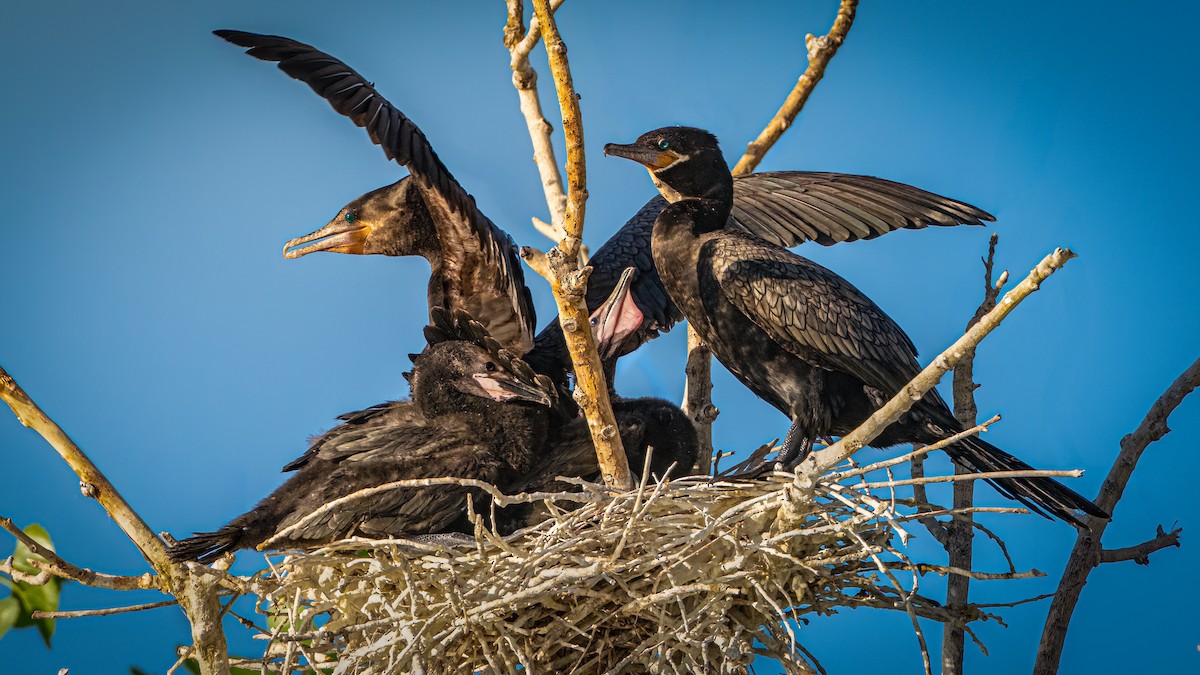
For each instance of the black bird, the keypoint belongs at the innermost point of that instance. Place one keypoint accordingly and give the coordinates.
(798, 335)
(476, 413)
(472, 258)
(475, 265)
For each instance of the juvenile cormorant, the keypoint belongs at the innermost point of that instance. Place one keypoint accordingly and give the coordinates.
(475, 265)
(476, 413)
(441, 222)
(798, 335)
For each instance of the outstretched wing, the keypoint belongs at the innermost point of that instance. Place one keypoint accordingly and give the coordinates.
(808, 310)
(480, 265)
(788, 208)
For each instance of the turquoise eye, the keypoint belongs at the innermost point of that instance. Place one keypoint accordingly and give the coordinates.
(663, 145)
(350, 217)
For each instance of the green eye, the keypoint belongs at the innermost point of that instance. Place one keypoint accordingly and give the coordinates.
(663, 145)
(350, 217)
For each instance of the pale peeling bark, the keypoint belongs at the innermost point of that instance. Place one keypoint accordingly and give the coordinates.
(561, 268)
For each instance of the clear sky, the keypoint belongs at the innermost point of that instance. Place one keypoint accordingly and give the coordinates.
(151, 174)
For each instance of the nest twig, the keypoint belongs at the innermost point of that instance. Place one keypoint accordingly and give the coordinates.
(685, 576)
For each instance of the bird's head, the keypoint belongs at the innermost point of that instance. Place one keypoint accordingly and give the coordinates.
(684, 162)
(392, 220)
(461, 376)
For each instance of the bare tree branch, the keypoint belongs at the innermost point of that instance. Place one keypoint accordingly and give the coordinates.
(697, 397)
(935, 526)
(520, 43)
(819, 462)
(55, 565)
(1140, 554)
(820, 51)
(198, 599)
(79, 613)
(568, 281)
(1087, 552)
(960, 532)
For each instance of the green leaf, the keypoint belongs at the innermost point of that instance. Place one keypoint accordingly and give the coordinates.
(27, 597)
(10, 611)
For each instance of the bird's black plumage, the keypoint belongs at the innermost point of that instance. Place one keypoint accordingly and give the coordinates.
(648, 427)
(437, 219)
(474, 414)
(798, 335)
(476, 266)
(786, 208)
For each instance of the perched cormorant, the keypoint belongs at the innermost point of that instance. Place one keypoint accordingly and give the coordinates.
(441, 222)
(798, 335)
(476, 413)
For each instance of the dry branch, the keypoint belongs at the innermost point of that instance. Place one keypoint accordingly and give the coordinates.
(197, 598)
(960, 531)
(819, 462)
(1087, 552)
(697, 397)
(567, 281)
(520, 43)
(55, 565)
(107, 611)
(1140, 554)
(820, 51)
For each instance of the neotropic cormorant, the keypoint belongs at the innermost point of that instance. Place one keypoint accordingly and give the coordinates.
(475, 267)
(798, 335)
(476, 413)
(441, 222)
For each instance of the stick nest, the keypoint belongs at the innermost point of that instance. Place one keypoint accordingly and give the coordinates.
(684, 576)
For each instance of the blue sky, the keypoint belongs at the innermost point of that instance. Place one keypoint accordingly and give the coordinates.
(151, 174)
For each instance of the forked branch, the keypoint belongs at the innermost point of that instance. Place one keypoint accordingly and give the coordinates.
(197, 596)
(520, 43)
(1088, 551)
(567, 280)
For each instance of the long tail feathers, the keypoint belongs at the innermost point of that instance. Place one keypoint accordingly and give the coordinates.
(1044, 496)
(206, 547)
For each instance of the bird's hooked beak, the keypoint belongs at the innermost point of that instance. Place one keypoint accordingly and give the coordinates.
(501, 386)
(341, 235)
(618, 318)
(650, 157)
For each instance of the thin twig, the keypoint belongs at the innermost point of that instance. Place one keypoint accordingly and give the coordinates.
(55, 565)
(520, 43)
(79, 613)
(935, 526)
(1140, 554)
